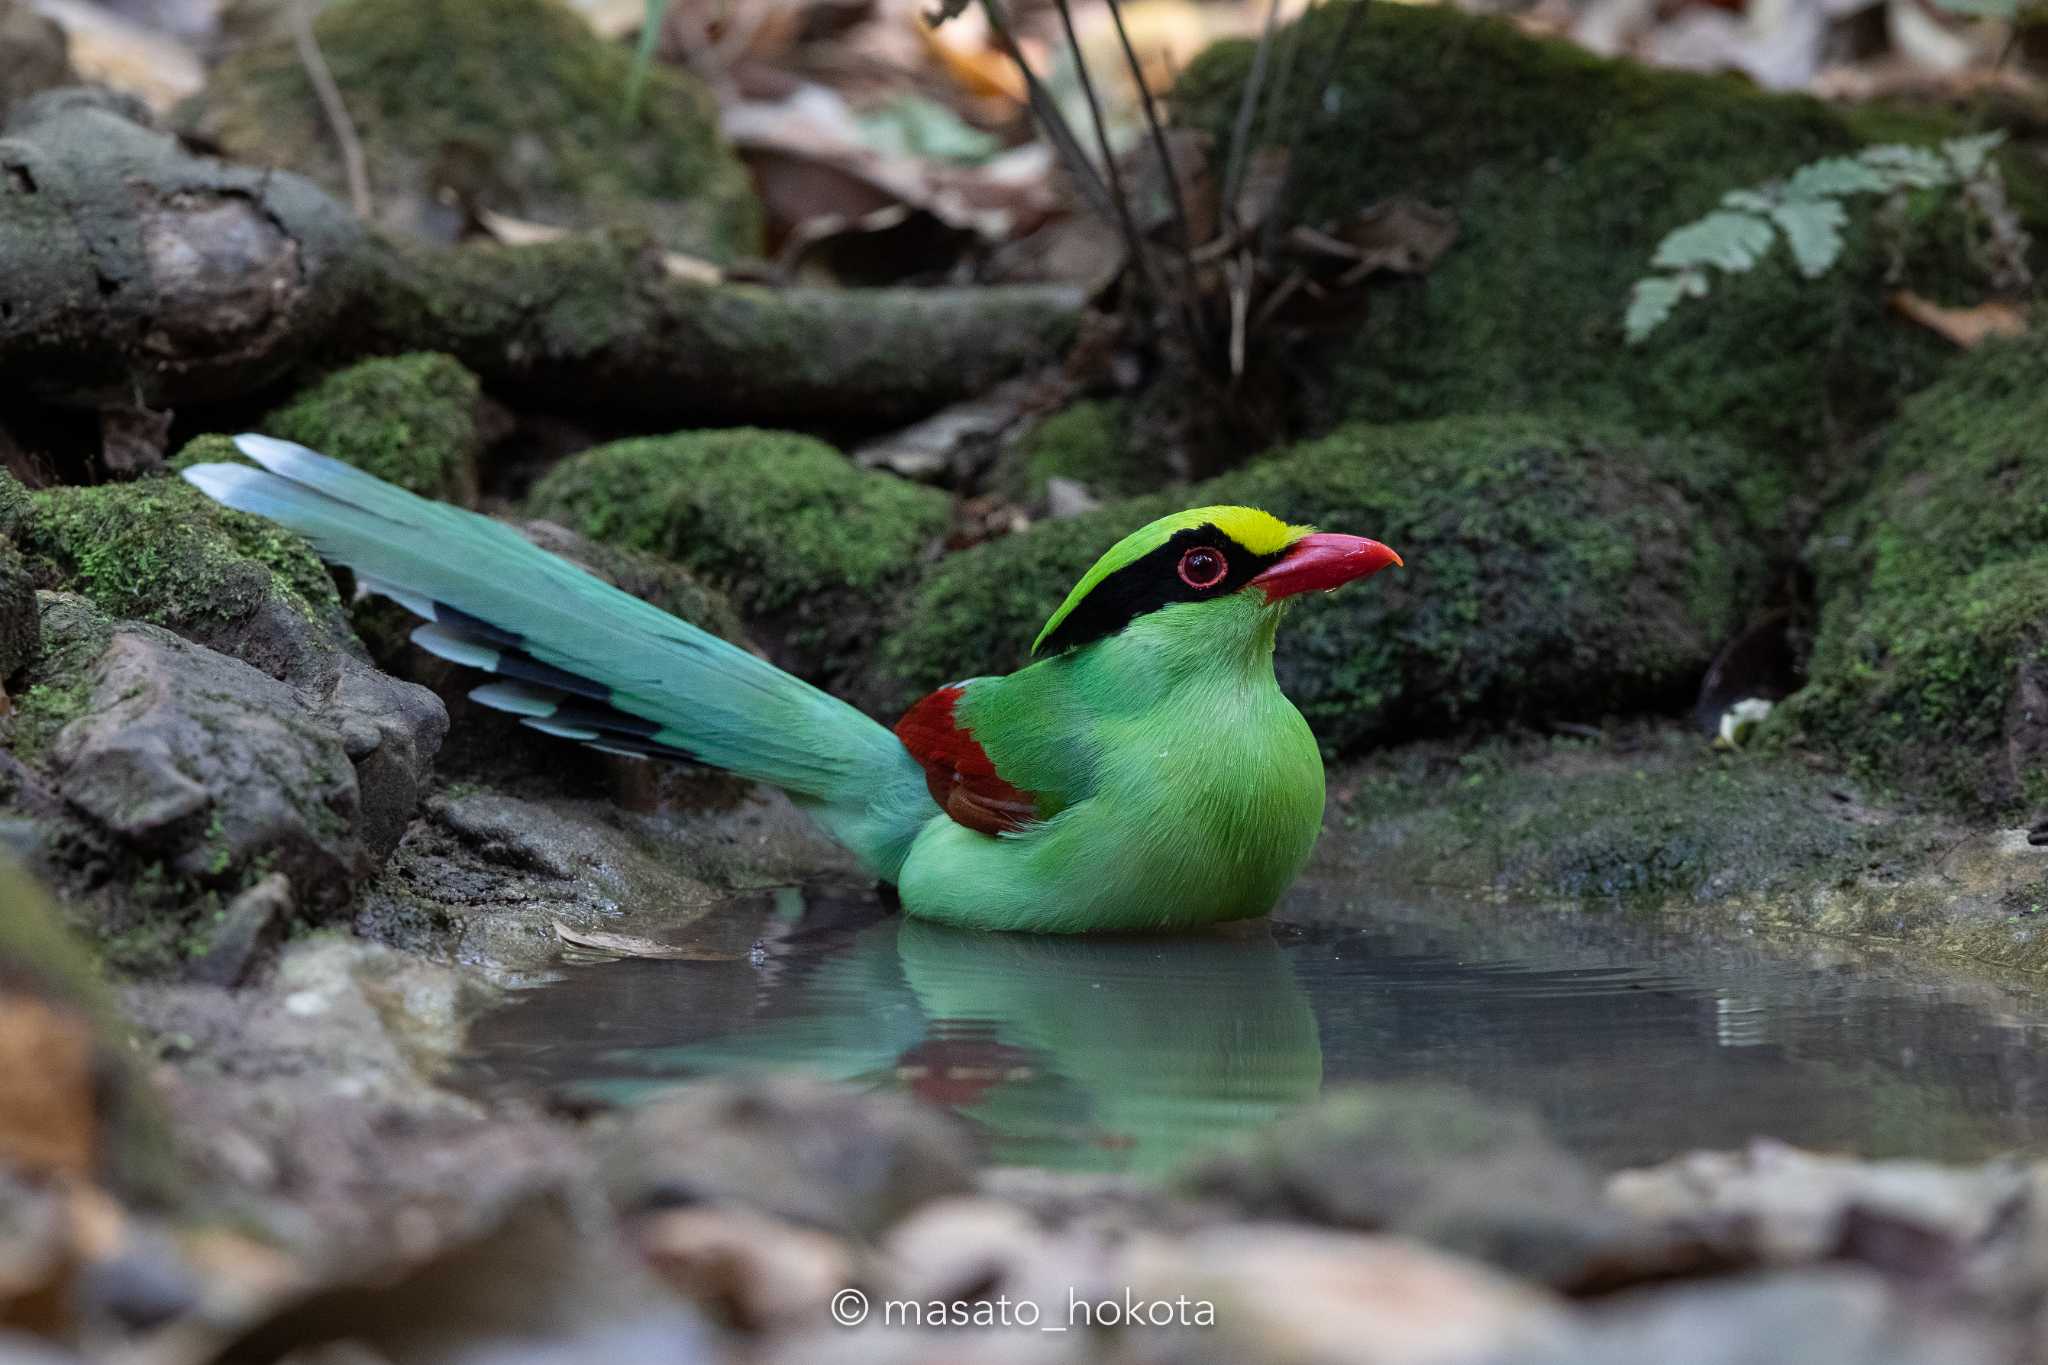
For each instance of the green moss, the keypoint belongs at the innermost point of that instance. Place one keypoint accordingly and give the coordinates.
(410, 420)
(1090, 443)
(1564, 171)
(515, 105)
(1664, 820)
(1554, 569)
(14, 504)
(45, 709)
(1934, 584)
(806, 544)
(158, 550)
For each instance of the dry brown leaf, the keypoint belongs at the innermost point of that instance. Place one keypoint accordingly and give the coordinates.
(974, 66)
(48, 1122)
(1966, 327)
(503, 227)
(634, 946)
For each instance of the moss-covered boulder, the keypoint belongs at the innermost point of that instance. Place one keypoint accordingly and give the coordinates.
(157, 550)
(410, 420)
(1554, 569)
(511, 106)
(1647, 816)
(812, 549)
(1564, 171)
(1930, 670)
(1091, 443)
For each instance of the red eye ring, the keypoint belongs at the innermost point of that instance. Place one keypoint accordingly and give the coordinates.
(1203, 567)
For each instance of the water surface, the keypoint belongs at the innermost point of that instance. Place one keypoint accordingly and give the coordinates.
(1634, 1036)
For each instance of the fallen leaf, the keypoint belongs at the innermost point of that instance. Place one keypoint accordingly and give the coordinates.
(504, 228)
(48, 1121)
(1966, 327)
(633, 946)
(965, 55)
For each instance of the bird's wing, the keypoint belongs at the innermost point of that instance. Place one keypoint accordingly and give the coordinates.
(962, 777)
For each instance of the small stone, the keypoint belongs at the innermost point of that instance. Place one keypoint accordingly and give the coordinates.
(826, 1155)
(250, 928)
(751, 1271)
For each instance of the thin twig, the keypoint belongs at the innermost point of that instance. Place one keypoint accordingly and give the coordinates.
(1133, 243)
(1241, 130)
(1156, 128)
(1086, 179)
(1276, 123)
(1190, 303)
(329, 95)
(1333, 56)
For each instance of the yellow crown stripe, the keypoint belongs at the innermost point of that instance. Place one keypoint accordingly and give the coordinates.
(1259, 532)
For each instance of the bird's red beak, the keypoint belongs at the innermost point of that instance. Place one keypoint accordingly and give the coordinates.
(1323, 562)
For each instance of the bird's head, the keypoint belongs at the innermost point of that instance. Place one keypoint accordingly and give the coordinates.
(1187, 566)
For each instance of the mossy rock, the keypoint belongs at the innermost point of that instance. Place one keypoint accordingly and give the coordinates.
(1652, 817)
(1930, 669)
(812, 549)
(1565, 171)
(513, 106)
(14, 504)
(1090, 442)
(410, 420)
(20, 628)
(158, 550)
(1554, 569)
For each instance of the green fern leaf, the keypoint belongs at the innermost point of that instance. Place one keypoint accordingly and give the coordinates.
(1833, 176)
(1968, 154)
(1907, 168)
(1727, 241)
(1813, 229)
(1652, 300)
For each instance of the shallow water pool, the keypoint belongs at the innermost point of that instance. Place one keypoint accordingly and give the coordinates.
(1635, 1036)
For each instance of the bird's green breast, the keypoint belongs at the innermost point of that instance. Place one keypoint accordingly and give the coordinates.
(1182, 787)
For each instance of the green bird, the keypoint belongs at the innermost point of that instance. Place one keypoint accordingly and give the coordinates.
(1147, 773)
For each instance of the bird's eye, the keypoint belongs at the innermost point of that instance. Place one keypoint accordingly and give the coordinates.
(1203, 567)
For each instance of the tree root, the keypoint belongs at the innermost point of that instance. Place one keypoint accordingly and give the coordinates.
(133, 272)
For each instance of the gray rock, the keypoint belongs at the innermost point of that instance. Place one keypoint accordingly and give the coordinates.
(1443, 1166)
(203, 762)
(1817, 1317)
(207, 765)
(485, 876)
(33, 54)
(251, 926)
(829, 1156)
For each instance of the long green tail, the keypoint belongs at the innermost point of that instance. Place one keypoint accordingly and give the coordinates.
(578, 658)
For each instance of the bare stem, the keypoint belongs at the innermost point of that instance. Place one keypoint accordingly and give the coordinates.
(331, 105)
(1086, 179)
(1241, 131)
(1189, 300)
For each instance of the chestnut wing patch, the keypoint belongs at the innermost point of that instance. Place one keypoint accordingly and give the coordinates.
(958, 771)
